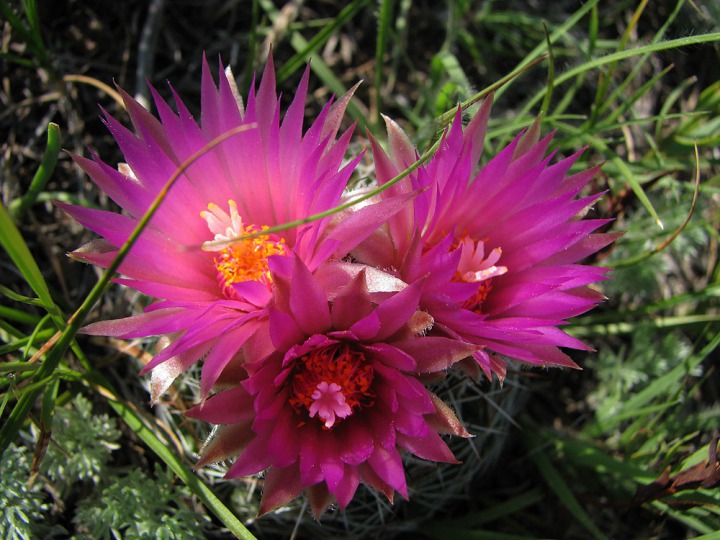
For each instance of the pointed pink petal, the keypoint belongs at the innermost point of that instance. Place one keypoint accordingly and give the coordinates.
(347, 487)
(284, 331)
(444, 420)
(253, 459)
(430, 447)
(281, 486)
(308, 302)
(401, 148)
(356, 442)
(310, 471)
(392, 356)
(165, 374)
(335, 275)
(371, 478)
(360, 224)
(435, 353)
(395, 312)
(232, 406)
(352, 303)
(225, 442)
(162, 321)
(320, 499)
(388, 466)
(330, 463)
(222, 353)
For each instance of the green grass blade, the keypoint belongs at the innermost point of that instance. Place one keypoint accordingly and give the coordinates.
(319, 67)
(670, 380)
(11, 314)
(6, 397)
(673, 97)
(625, 55)
(551, 74)
(9, 367)
(607, 76)
(15, 22)
(447, 117)
(31, 12)
(579, 327)
(630, 178)
(29, 33)
(303, 55)
(617, 95)
(13, 345)
(12, 295)
(383, 36)
(15, 246)
(628, 101)
(558, 484)
(561, 30)
(692, 521)
(37, 331)
(43, 174)
(593, 30)
(658, 323)
(441, 528)
(587, 454)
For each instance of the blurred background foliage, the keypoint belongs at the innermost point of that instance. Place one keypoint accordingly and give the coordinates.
(626, 448)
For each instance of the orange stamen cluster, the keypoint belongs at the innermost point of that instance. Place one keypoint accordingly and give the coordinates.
(239, 259)
(336, 368)
(247, 260)
(475, 302)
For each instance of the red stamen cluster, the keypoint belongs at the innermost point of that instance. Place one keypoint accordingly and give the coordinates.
(336, 364)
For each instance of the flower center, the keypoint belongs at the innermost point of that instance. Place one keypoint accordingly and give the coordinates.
(239, 260)
(474, 267)
(475, 302)
(331, 383)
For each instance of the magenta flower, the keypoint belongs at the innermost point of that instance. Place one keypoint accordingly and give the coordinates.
(338, 399)
(498, 248)
(213, 287)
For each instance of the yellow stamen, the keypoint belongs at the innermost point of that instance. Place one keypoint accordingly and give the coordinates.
(240, 260)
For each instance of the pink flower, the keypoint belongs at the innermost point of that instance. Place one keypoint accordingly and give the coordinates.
(498, 248)
(213, 289)
(339, 398)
